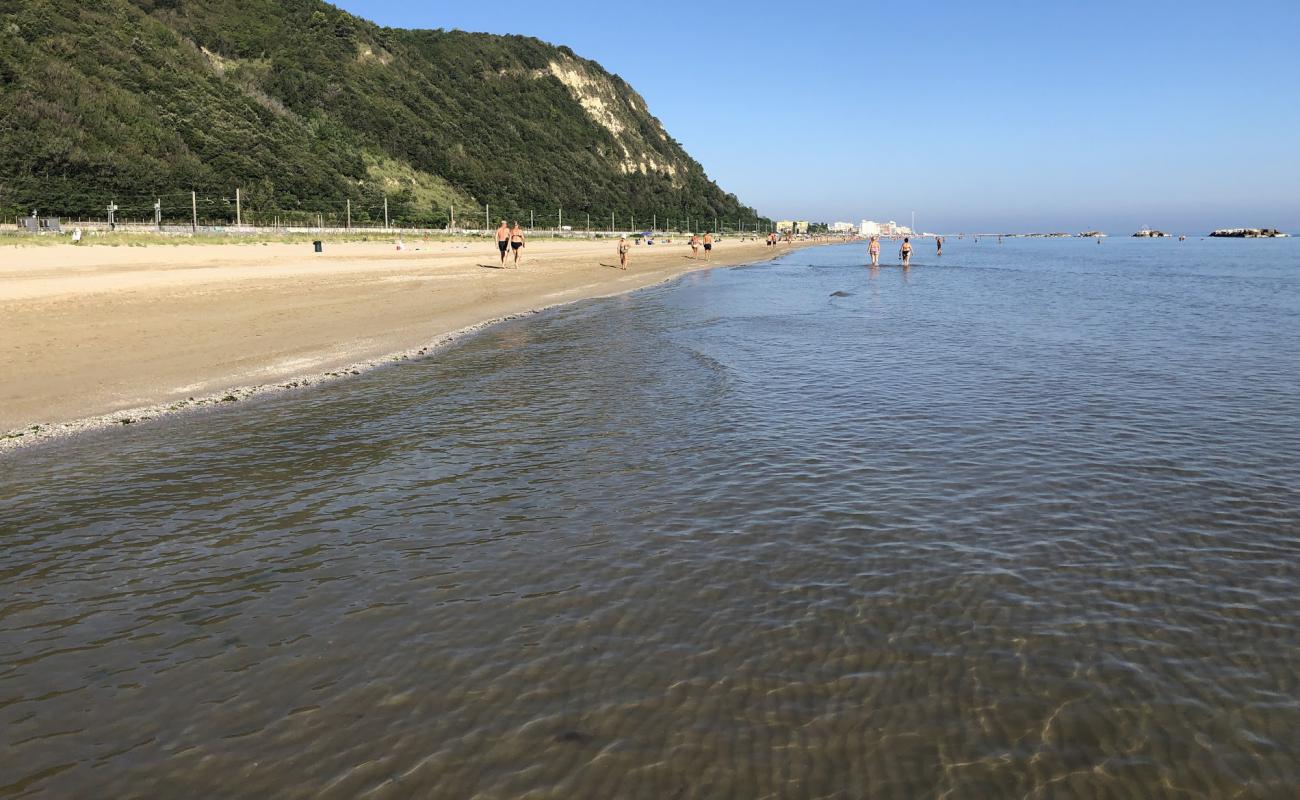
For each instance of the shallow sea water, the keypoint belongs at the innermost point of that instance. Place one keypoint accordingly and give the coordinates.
(1023, 521)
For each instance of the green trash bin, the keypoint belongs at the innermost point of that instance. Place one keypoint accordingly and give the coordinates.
(316, 244)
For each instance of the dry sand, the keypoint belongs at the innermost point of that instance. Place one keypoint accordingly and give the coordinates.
(94, 336)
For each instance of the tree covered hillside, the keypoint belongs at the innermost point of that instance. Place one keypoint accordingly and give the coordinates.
(305, 107)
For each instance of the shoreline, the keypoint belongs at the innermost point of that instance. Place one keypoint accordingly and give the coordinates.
(660, 268)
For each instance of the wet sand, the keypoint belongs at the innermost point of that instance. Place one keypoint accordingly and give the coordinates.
(95, 336)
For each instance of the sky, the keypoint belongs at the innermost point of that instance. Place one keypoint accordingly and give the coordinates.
(1026, 116)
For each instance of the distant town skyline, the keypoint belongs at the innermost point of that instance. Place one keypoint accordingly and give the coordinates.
(1001, 116)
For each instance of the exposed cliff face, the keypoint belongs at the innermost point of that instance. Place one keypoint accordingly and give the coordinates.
(623, 113)
(304, 106)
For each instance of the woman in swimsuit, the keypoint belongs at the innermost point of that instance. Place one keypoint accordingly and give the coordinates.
(622, 252)
(875, 251)
(695, 245)
(516, 241)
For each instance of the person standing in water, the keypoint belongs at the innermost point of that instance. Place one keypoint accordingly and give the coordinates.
(874, 249)
(906, 252)
(623, 249)
(503, 240)
(708, 245)
(938, 241)
(517, 241)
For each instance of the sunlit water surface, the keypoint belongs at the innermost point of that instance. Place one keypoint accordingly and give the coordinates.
(1022, 521)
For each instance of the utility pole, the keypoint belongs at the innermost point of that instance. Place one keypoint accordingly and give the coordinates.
(112, 209)
(654, 221)
(194, 211)
(530, 219)
(349, 213)
(239, 212)
(385, 212)
(157, 213)
(487, 217)
(588, 222)
(561, 223)
(611, 222)
(451, 219)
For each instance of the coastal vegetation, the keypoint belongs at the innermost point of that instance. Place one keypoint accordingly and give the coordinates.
(313, 112)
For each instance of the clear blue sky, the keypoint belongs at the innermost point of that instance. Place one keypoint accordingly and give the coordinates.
(996, 115)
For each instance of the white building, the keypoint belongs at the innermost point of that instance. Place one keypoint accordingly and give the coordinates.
(842, 227)
(869, 228)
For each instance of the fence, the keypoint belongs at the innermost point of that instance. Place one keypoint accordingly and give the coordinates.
(233, 214)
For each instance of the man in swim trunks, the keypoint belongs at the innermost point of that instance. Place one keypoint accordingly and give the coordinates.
(708, 246)
(906, 251)
(623, 249)
(503, 240)
(874, 249)
(516, 241)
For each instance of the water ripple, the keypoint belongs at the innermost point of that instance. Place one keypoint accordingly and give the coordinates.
(1021, 524)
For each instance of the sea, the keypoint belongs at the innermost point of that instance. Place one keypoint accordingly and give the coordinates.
(1022, 520)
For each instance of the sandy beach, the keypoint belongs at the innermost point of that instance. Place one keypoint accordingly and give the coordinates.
(96, 336)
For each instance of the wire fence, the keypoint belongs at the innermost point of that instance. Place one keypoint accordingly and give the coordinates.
(234, 213)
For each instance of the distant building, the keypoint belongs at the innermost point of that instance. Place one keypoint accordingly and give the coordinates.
(869, 228)
(784, 225)
(842, 227)
(801, 226)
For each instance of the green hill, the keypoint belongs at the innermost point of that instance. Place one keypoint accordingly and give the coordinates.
(306, 108)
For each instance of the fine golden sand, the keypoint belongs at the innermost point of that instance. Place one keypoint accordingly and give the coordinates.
(93, 336)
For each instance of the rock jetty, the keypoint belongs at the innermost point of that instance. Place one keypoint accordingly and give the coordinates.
(1147, 233)
(1248, 233)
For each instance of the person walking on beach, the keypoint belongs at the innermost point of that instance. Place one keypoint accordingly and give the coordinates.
(503, 241)
(906, 252)
(938, 241)
(623, 250)
(516, 241)
(874, 249)
(708, 245)
(695, 245)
